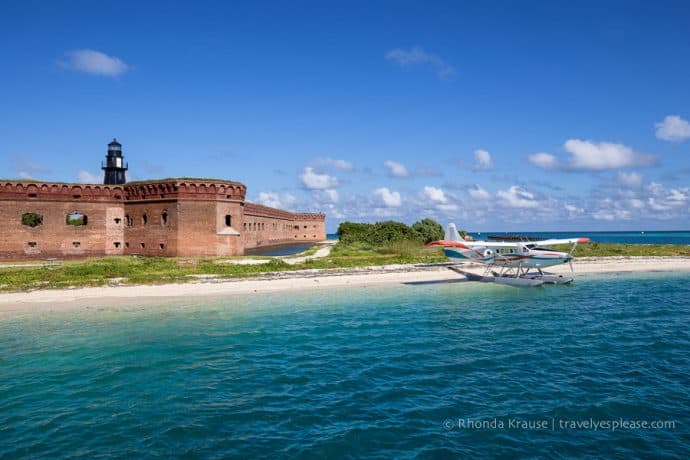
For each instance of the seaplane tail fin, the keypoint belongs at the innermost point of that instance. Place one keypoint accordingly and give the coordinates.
(452, 233)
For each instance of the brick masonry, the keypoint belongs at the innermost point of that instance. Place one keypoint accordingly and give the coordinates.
(175, 217)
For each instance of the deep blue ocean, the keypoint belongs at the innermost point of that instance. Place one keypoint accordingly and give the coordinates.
(429, 371)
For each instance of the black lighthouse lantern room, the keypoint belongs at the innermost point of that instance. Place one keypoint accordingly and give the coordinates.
(114, 166)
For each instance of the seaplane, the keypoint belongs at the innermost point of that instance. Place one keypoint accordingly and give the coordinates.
(519, 263)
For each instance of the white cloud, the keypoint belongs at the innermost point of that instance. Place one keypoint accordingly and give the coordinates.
(434, 194)
(572, 209)
(337, 164)
(436, 197)
(396, 169)
(478, 193)
(275, 200)
(517, 197)
(417, 56)
(635, 203)
(593, 156)
(326, 196)
(85, 177)
(447, 207)
(389, 199)
(612, 214)
(315, 181)
(482, 160)
(544, 160)
(662, 199)
(26, 168)
(603, 155)
(673, 129)
(94, 63)
(630, 180)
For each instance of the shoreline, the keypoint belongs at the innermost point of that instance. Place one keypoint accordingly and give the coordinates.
(295, 281)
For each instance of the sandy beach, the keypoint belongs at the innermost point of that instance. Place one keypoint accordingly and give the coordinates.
(62, 299)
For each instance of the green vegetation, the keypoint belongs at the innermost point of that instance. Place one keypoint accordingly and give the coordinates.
(428, 230)
(384, 233)
(631, 250)
(150, 270)
(31, 219)
(76, 219)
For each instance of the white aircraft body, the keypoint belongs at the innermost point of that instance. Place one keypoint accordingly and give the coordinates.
(520, 256)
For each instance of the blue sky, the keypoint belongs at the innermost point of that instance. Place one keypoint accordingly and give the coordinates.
(498, 116)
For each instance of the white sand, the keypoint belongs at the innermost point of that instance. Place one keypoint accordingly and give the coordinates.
(45, 300)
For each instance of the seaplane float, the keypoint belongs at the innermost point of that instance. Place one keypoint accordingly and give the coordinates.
(519, 263)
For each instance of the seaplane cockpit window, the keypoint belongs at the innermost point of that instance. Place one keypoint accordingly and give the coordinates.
(542, 249)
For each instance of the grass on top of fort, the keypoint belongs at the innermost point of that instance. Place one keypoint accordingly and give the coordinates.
(151, 270)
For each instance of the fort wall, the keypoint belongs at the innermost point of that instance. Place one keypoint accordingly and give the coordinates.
(35, 220)
(175, 217)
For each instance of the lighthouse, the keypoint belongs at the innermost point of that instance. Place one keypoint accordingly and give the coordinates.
(114, 166)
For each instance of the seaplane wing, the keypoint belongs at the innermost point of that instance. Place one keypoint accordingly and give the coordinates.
(474, 244)
(561, 241)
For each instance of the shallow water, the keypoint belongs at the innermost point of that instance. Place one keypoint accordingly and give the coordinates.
(279, 250)
(405, 371)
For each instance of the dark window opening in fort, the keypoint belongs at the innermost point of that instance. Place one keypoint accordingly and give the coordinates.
(244, 226)
(144, 219)
(31, 219)
(296, 228)
(32, 244)
(76, 196)
(127, 245)
(76, 219)
(116, 244)
(143, 245)
(32, 195)
(164, 218)
(228, 196)
(118, 197)
(76, 244)
(117, 220)
(162, 246)
(305, 226)
(228, 220)
(128, 220)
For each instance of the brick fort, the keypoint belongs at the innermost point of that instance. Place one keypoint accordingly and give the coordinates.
(169, 217)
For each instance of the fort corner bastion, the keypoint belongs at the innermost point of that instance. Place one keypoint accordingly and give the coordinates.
(170, 217)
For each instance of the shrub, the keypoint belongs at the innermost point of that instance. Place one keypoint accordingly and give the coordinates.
(377, 234)
(428, 230)
(31, 219)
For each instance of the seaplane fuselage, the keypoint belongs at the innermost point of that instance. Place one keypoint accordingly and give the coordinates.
(509, 254)
(506, 255)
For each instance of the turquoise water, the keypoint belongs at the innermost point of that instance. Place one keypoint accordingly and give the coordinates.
(279, 250)
(387, 372)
